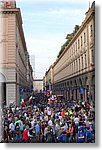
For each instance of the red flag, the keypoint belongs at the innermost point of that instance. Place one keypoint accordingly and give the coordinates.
(23, 104)
(30, 99)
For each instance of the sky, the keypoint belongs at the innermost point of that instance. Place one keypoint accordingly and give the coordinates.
(46, 24)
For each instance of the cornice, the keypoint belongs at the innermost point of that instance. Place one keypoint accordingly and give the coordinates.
(88, 17)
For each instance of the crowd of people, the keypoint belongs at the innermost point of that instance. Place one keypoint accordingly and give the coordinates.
(49, 122)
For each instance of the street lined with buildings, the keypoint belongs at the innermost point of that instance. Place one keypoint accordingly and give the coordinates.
(71, 78)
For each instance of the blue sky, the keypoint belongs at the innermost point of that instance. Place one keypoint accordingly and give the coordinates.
(46, 24)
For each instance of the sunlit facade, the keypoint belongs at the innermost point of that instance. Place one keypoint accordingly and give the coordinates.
(74, 70)
(14, 62)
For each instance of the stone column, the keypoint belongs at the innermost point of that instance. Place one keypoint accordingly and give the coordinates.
(11, 93)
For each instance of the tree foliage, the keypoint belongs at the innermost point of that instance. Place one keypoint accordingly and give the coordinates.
(68, 37)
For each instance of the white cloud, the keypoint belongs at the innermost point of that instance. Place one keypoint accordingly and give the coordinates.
(45, 44)
(64, 11)
(54, 19)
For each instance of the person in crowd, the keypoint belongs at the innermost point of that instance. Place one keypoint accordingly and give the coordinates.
(80, 136)
(18, 135)
(12, 129)
(70, 132)
(37, 130)
(25, 137)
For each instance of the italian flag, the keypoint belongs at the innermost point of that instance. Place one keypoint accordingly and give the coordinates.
(22, 101)
(30, 99)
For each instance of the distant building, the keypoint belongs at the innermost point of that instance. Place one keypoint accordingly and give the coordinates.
(32, 61)
(38, 85)
(48, 79)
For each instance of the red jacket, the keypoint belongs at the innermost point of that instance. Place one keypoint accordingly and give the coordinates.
(62, 113)
(25, 135)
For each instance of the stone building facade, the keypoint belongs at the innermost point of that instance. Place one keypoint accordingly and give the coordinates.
(14, 61)
(48, 79)
(38, 85)
(74, 70)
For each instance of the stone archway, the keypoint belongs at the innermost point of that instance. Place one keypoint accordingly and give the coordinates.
(80, 82)
(71, 90)
(86, 89)
(75, 90)
(2, 89)
(2, 99)
(93, 88)
(81, 89)
(86, 80)
(68, 90)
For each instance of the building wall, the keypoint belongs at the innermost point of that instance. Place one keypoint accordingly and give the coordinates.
(8, 61)
(76, 61)
(75, 69)
(49, 78)
(14, 62)
(38, 85)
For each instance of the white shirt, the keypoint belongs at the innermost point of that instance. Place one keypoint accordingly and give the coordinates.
(49, 112)
(76, 120)
(46, 118)
(12, 126)
(57, 127)
(32, 122)
(50, 123)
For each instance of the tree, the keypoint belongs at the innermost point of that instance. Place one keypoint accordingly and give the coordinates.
(69, 38)
(76, 28)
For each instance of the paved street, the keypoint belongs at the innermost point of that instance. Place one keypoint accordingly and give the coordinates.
(45, 101)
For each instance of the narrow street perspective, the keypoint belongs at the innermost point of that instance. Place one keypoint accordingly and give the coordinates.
(47, 72)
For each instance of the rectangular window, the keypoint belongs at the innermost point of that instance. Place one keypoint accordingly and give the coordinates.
(81, 41)
(74, 48)
(72, 51)
(72, 68)
(92, 54)
(91, 30)
(76, 65)
(79, 64)
(78, 44)
(84, 37)
(85, 61)
(82, 62)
